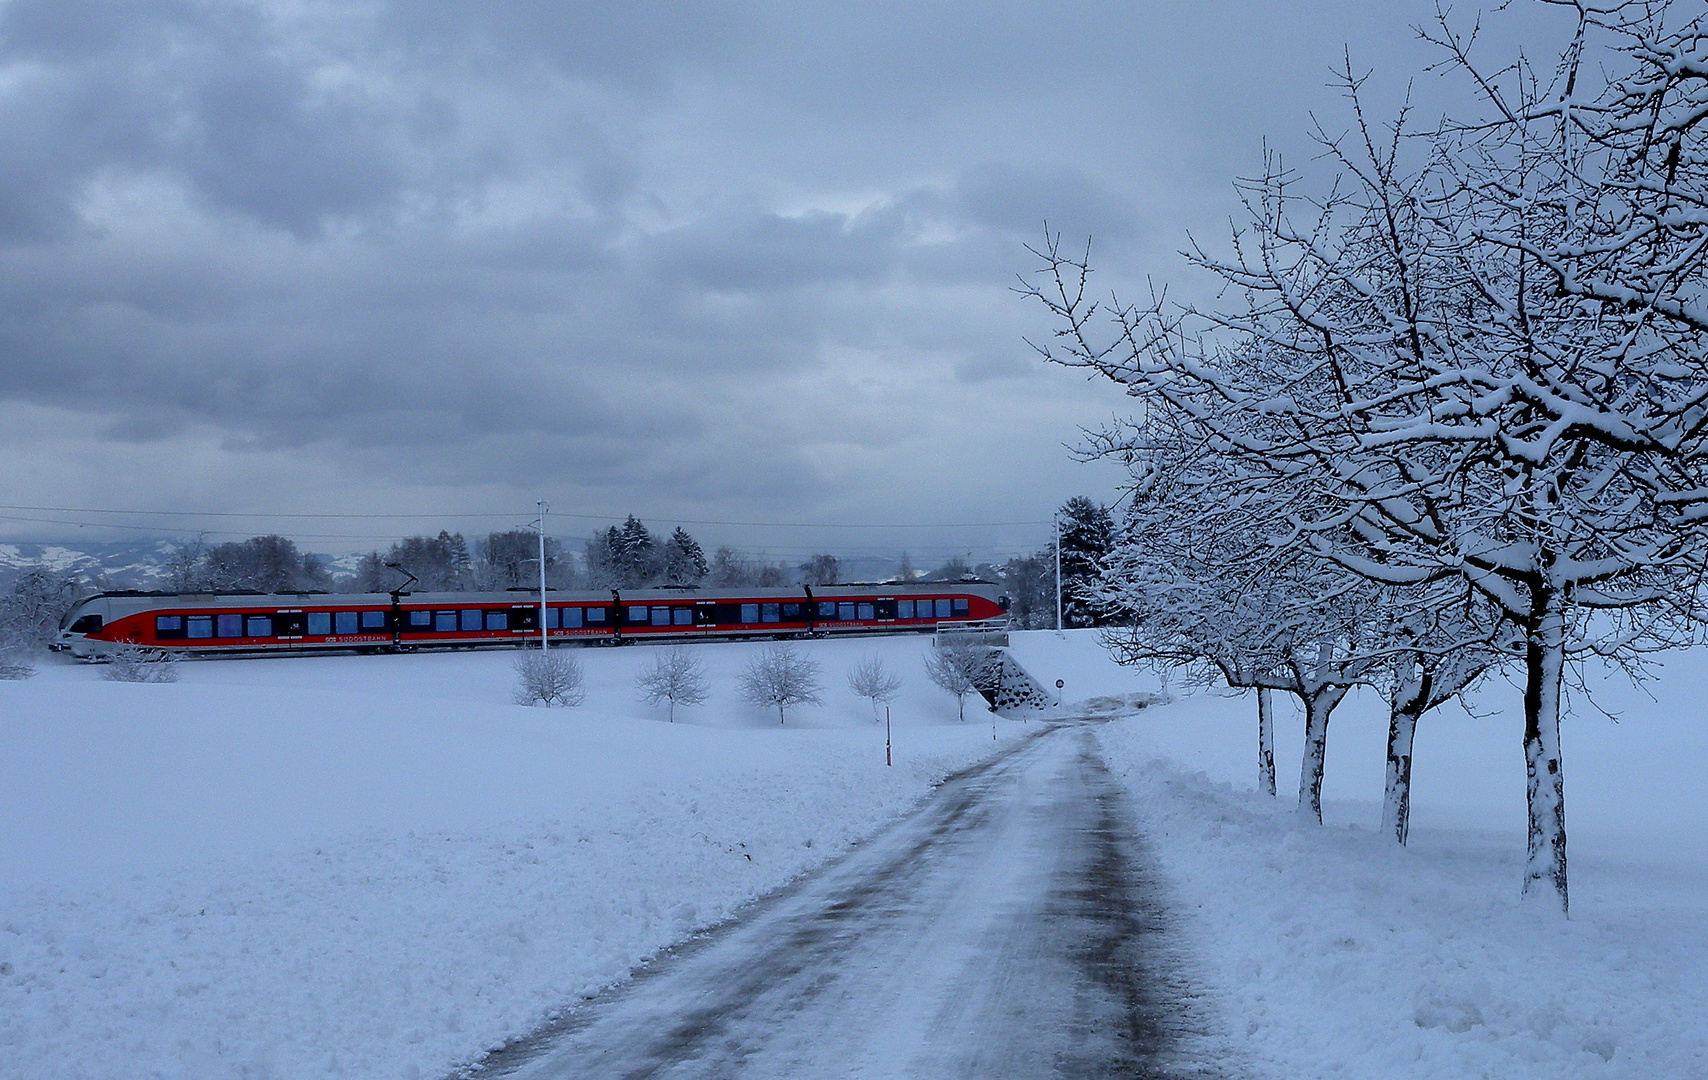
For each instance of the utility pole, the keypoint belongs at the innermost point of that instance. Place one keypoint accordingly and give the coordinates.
(544, 639)
(1058, 546)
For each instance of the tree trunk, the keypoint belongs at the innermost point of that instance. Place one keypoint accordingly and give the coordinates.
(1545, 789)
(1265, 744)
(1403, 713)
(1317, 709)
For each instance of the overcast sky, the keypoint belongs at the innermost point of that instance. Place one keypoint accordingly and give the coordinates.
(698, 261)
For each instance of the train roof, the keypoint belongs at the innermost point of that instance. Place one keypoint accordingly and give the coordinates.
(141, 600)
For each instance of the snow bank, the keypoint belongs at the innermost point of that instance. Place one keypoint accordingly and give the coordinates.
(378, 867)
(1335, 953)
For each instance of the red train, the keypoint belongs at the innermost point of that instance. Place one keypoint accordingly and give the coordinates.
(381, 622)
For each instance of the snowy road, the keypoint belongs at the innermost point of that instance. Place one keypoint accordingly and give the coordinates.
(1007, 929)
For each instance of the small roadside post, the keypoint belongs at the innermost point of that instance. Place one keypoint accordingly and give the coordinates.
(887, 760)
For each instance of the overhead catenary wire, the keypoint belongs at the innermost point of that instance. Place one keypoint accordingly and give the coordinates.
(263, 516)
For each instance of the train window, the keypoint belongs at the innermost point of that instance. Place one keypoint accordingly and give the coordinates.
(258, 626)
(865, 611)
(346, 622)
(86, 624)
(682, 616)
(960, 607)
(498, 620)
(572, 616)
(552, 616)
(471, 619)
(904, 609)
(827, 609)
(750, 613)
(199, 626)
(168, 626)
(420, 620)
(943, 608)
(661, 616)
(791, 613)
(320, 623)
(844, 610)
(373, 620)
(229, 625)
(594, 614)
(638, 614)
(444, 620)
(770, 612)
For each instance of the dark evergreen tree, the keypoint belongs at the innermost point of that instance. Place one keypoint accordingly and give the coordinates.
(1030, 582)
(1087, 535)
(684, 562)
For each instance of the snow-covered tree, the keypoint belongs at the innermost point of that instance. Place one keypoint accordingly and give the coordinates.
(634, 553)
(781, 676)
(1492, 365)
(132, 663)
(271, 564)
(1196, 586)
(820, 570)
(960, 669)
(872, 679)
(676, 677)
(904, 569)
(549, 678)
(33, 606)
(684, 560)
(440, 563)
(511, 559)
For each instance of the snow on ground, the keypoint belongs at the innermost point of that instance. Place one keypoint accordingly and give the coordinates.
(1334, 953)
(379, 866)
(376, 867)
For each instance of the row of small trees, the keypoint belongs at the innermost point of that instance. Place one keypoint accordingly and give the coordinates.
(1459, 418)
(779, 677)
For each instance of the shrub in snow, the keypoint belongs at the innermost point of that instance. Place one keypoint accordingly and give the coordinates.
(548, 678)
(674, 676)
(781, 676)
(15, 665)
(871, 679)
(133, 663)
(959, 669)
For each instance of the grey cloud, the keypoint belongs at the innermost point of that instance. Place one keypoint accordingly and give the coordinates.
(764, 250)
(683, 252)
(1018, 199)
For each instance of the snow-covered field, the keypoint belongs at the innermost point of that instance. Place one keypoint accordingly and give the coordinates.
(376, 867)
(379, 867)
(1336, 954)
